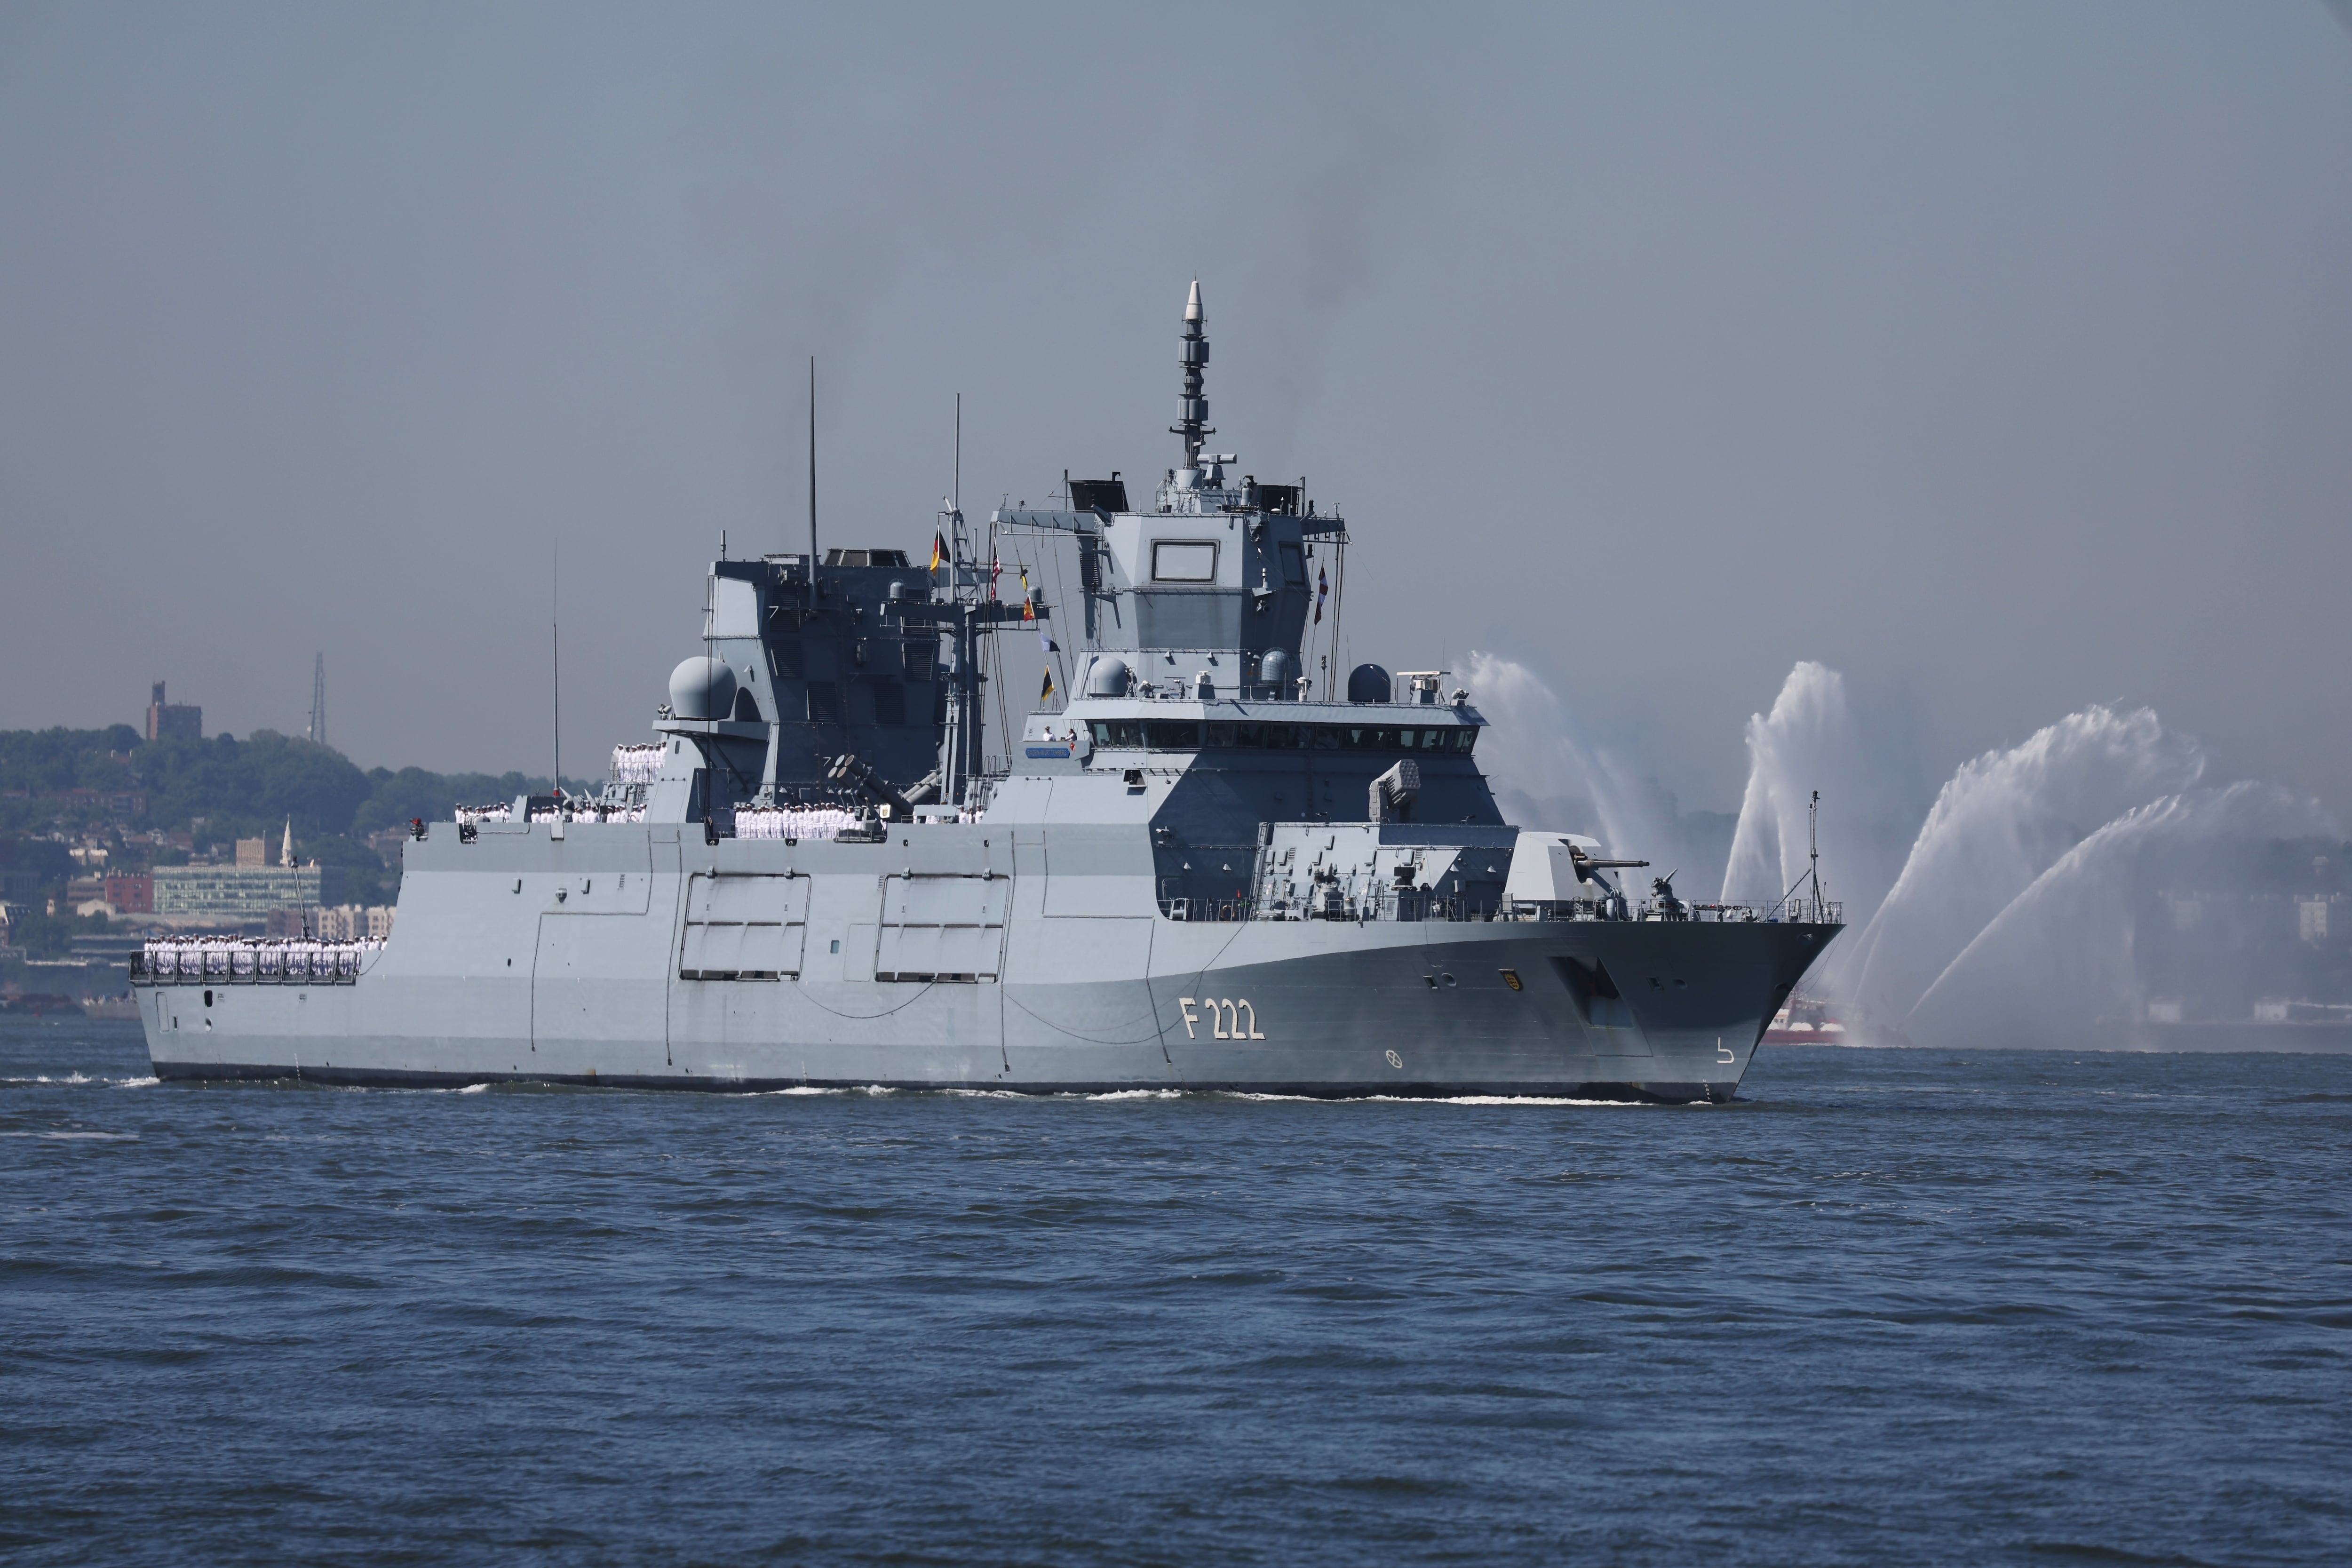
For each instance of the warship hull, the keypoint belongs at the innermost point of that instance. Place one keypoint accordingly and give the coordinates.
(1211, 861)
(590, 958)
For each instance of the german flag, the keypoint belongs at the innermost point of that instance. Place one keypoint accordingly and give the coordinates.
(938, 552)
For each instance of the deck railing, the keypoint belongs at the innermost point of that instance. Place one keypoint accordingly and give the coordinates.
(1335, 904)
(234, 961)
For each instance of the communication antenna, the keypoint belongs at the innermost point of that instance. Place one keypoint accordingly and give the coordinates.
(1193, 406)
(319, 700)
(555, 642)
(1814, 847)
(812, 455)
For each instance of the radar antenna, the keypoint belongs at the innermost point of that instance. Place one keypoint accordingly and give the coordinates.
(1813, 848)
(1194, 422)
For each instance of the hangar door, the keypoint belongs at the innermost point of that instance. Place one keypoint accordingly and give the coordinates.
(743, 928)
(941, 928)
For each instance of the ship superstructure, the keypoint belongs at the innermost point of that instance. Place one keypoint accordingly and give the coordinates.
(1210, 867)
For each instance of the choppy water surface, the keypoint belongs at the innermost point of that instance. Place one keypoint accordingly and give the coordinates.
(1900, 1306)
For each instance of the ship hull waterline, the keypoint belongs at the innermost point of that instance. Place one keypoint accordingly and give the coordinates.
(1309, 1008)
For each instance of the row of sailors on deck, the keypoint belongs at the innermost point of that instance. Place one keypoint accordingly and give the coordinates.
(637, 765)
(221, 957)
(585, 811)
(816, 821)
(793, 821)
(576, 810)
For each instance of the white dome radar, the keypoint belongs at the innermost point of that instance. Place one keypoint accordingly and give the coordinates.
(702, 688)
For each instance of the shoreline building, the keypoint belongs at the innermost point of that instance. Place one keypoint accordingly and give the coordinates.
(183, 720)
(231, 895)
(129, 893)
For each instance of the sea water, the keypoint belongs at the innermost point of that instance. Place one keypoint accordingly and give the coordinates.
(1890, 1306)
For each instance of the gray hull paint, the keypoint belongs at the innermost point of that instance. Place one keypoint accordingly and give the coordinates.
(524, 957)
(1194, 769)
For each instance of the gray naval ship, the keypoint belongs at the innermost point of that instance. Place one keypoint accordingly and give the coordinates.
(1205, 870)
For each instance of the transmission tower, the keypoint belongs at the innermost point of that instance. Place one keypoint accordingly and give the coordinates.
(319, 699)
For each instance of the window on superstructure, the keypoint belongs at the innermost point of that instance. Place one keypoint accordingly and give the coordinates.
(1172, 735)
(1117, 734)
(1184, 561)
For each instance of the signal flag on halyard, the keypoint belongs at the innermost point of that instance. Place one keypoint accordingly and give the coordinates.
(1046, 693)
(1028, 609)
(1322, 588)
(938, 552)
(1051, 645)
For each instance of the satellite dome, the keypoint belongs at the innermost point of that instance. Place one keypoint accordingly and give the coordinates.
(702, 688)
(1369, 683)
(1277, 669)
(1108, 676)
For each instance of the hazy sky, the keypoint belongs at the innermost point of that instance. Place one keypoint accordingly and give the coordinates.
(1998, 355)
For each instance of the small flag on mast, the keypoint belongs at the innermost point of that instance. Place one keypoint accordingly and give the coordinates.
(938, 552)
(1322, 588)
(1046, 693)
(1028, 609)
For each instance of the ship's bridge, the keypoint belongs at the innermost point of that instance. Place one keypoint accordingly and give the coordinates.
(1224, 569)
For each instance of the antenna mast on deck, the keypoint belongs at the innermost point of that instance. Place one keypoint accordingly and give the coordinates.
(812, 455)
(555, 644)
(319, 700)
(1194, 424)
(1814, 847)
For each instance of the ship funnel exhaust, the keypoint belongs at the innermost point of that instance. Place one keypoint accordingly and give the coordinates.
(1193, 408)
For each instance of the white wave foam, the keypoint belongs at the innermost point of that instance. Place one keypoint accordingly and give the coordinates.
(1425, 1099)
(90, 1137)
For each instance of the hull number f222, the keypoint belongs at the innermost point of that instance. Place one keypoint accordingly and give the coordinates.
(1224, 1017)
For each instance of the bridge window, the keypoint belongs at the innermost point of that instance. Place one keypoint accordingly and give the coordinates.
(1172, 735)
(1118, 734)
(1188, 735)
(1184, 561)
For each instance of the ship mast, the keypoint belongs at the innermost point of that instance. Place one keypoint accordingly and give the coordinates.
(1193, 420)
(959, 748)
